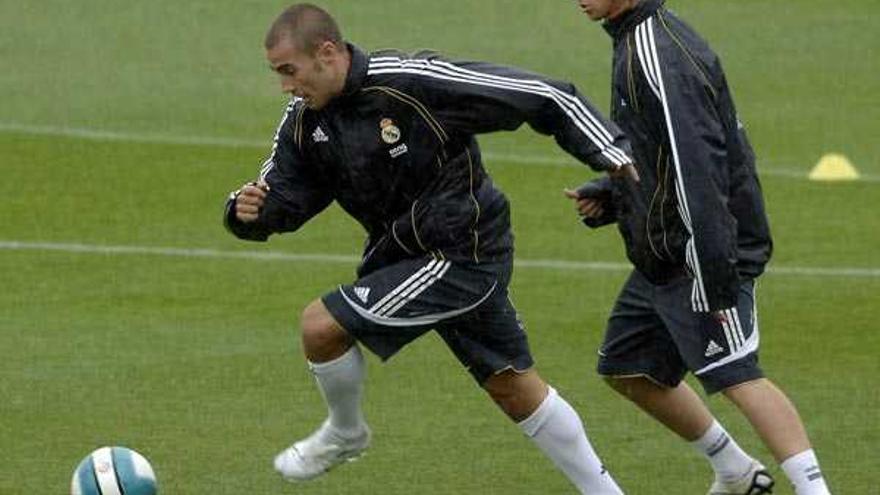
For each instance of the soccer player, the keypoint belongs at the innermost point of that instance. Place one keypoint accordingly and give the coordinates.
(696, 231)
(390, 137)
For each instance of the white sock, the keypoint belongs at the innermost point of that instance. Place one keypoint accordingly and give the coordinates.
(728, 460)
(803, 471)
(557, 430)
(341, 382)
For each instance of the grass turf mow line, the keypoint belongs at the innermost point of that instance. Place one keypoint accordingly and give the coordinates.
(122, 136)
(547, 264)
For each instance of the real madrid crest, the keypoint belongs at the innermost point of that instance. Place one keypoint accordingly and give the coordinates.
(390, 132)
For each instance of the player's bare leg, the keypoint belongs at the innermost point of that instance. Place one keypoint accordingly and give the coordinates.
(777, 422)
(339, 370)
(772, 415)
(681, 410)
(517, 394)
(554, 426)
(322, 338)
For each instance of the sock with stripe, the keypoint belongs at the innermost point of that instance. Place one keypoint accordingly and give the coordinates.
(341, 382)
(728, 460)
(557, 430)
(803, 471)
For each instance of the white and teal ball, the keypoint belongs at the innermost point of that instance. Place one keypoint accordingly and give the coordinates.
(114, 471)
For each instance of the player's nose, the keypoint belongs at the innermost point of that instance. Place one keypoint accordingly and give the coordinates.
(287, 85)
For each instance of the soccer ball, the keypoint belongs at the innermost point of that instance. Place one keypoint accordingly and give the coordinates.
(114, 471)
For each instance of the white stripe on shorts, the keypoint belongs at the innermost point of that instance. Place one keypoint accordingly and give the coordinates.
(416, 289)
(748, 346)
(393, 295)
(418, 320)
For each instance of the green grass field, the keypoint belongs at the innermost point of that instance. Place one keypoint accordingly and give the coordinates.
(128, 316)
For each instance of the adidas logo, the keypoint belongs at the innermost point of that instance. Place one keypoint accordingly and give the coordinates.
(318, 136)
(363, 293)
(712, 349)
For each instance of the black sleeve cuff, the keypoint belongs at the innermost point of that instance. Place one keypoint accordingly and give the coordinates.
(249, 231)
(599, 189)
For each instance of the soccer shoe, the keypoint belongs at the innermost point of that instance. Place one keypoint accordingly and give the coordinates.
(320, 452)
(755, 482)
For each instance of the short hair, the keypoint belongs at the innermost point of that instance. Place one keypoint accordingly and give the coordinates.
(306, 25)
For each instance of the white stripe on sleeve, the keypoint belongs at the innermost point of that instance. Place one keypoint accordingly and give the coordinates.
(580, 115)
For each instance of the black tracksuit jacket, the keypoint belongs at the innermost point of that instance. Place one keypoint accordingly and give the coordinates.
(698, 209)
(397, 151)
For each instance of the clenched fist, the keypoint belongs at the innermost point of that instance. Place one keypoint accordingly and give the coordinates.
(249, 200)
(586, 207)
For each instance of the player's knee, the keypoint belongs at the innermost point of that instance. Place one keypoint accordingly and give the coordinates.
(321, 337)
(623, 386)
(505, 397)
(518, 395)
(742, 391)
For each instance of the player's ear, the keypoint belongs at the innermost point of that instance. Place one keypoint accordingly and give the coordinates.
(326, 51)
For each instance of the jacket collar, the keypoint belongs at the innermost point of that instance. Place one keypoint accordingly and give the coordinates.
(629, 20)
(354, 80)
(357, 72)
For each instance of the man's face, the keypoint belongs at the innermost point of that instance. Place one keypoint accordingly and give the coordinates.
(313, 77)
(601, 9)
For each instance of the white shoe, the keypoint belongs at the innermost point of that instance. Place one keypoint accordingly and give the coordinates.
(755, 482)
(320, 452)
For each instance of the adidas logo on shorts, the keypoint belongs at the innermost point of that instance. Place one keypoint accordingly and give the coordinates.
(363, 293)
(713, 348)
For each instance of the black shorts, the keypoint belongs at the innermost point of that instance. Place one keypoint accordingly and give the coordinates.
(654, 332)
(466, 303)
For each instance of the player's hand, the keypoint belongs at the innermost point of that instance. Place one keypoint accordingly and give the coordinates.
(250, 200)
(586, 207)
(627, 171)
